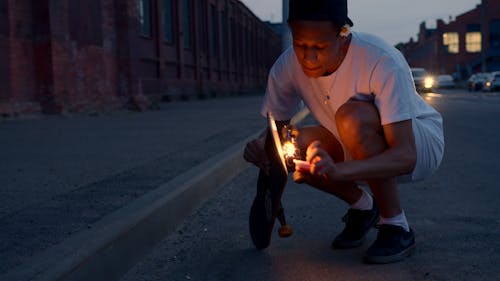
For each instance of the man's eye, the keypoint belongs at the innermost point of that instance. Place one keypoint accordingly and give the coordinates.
(321, 47)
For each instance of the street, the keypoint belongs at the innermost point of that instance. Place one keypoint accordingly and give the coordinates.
(455, 215)
(66, 173)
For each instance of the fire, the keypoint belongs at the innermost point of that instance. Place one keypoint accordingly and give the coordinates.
(289, 149)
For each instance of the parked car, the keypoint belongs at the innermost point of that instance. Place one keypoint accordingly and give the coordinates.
(423, 81)
(445, 81)
(493, 82)
(476, 81)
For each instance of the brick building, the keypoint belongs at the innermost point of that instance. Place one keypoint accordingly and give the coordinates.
(64, 56)
(460, 46)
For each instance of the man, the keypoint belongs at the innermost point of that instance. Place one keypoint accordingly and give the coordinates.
(374, 127)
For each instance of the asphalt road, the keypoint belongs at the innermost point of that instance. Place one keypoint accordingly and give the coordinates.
(61, 175)
(455, 214)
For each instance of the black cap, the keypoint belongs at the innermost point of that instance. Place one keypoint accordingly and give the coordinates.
(319, 10)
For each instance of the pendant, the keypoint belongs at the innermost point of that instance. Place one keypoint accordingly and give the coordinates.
(327, 98)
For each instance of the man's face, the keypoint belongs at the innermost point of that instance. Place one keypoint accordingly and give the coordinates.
(316, 45)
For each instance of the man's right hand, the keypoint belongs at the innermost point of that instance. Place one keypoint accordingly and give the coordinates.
(255, 153)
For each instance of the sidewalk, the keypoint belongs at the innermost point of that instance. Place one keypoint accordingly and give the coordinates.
(61, 175)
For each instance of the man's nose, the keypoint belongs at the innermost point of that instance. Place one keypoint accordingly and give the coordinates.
(310, 54)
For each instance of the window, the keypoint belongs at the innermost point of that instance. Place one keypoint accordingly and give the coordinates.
(186, 23)
(145, 17)
(168, 33)
(495, 35)
(4, 18)
(232, 40)
(450, 41)
(213, 32)
(222, 32)
(473, 42)
(202, 16)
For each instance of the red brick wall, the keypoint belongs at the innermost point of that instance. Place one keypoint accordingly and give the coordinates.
(66, 55)
(21, 67)
(449, 61)
(430, 52)
(241, 64)
(58, 56)
(84, 62)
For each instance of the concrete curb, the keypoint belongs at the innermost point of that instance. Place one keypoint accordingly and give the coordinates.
(121, 239)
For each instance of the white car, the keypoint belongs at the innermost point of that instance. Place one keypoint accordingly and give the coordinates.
(423, 81)
(445, 81)
(493, 82)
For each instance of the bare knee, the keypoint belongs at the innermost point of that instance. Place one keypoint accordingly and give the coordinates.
(328, 141)
(359, 127)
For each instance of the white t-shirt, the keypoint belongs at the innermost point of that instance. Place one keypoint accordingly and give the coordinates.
(371, 70)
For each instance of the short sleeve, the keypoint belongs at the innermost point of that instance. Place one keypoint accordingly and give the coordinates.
(392, 85)
(281, 98)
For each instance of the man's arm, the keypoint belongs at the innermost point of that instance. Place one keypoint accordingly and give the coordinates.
(399, 157)
(255, 151)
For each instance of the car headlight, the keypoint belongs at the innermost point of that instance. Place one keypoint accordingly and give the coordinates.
(428, 82)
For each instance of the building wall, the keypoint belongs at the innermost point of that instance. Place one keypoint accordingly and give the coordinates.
(423, 52)
(83, 51)
(21, 74)
(4, 52)
(429, 51)
(62, 56)
(231, 49)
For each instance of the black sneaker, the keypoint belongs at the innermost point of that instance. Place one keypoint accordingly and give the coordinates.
(393, 244)
(357, 225)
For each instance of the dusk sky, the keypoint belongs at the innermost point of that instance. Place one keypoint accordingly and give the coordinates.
(394, 20)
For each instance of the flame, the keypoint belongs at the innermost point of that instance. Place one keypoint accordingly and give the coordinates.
(289, 149)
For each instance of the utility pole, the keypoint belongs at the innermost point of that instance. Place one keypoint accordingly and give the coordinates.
(483, 35)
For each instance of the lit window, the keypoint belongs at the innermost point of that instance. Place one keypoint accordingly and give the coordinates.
(145, 17)
(450, 41)
(473, 42)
